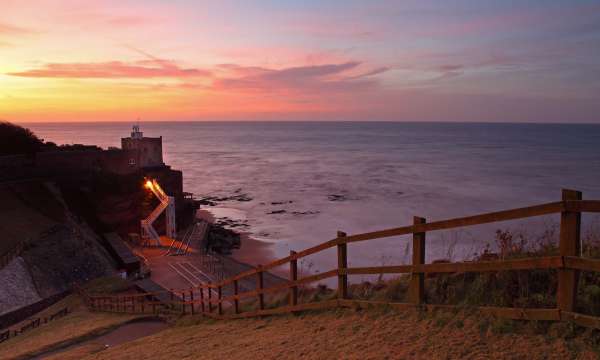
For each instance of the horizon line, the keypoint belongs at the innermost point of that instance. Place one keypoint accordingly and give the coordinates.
(299, 121)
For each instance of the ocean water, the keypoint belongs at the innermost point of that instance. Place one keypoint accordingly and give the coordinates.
(359, 177)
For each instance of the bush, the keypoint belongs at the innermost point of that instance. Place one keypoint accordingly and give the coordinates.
(15, 140)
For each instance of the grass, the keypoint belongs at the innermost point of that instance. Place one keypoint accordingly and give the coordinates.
(107, 285)
(77, 326)
(531, 288)
(372, 334)
(378, 331)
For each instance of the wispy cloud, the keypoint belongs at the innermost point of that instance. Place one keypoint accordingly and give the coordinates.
(343, 76)
(114, 69)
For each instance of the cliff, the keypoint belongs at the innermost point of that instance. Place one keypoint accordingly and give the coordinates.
(59, 248)
(58, 200)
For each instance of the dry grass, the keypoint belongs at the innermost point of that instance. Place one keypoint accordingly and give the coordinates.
(369, 334)
(77, 325)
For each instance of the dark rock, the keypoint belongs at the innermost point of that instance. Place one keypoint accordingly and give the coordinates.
(306, 212)
(213, 200)
(206, 202)
(337, 197)
(282, 202)
(222, 240)
(277, 212)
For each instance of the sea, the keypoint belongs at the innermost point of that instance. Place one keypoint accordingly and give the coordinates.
(304, 181)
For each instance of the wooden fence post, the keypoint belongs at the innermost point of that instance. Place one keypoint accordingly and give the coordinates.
(416, 291)
(192, 300)
(172, 298)
(220, 297)
(569, 245)
(260, 285)
(209, 297)
(183, 302)
(202, 298)
(342, 253)
(236, 301)
(293, 279)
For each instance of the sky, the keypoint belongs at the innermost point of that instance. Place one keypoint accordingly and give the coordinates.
(119, 60)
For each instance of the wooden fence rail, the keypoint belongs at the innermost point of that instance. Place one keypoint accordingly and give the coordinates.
(568, 264)
(32, 324)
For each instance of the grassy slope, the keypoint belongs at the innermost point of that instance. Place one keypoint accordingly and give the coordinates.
(78, 324)
(370, 334)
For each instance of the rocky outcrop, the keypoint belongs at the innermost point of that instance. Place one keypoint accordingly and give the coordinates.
(222, 240)
(18, 288)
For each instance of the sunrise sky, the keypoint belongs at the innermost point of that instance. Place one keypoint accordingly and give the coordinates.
(300, 60)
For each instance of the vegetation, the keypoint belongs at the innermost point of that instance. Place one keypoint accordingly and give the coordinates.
(18, 140)
(15, 139)
(527, 288)
(521, 289)
(107, 285)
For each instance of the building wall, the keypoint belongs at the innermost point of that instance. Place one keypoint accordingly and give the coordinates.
(65, 163)
(149, 151)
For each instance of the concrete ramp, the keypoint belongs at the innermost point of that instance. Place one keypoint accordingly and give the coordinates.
(149, 286)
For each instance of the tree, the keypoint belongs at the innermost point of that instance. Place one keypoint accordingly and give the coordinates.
(15, 139)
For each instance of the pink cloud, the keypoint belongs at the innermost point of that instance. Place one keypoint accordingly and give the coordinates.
(153, 68)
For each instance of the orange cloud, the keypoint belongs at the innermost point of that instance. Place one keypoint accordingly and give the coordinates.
(7, 29)
(114, 69)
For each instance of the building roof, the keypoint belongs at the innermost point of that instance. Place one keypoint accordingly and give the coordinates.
(124, 253)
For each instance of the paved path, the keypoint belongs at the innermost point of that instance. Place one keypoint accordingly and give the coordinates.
(189, 270)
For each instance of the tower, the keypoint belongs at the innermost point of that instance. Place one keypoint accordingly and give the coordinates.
(146, 152)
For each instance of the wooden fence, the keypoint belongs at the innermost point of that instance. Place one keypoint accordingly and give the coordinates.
(34, 323)
(209, 300)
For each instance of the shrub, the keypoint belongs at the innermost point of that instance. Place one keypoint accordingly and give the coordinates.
(15, 140)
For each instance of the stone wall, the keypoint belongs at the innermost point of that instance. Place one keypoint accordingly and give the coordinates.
(66, 163)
